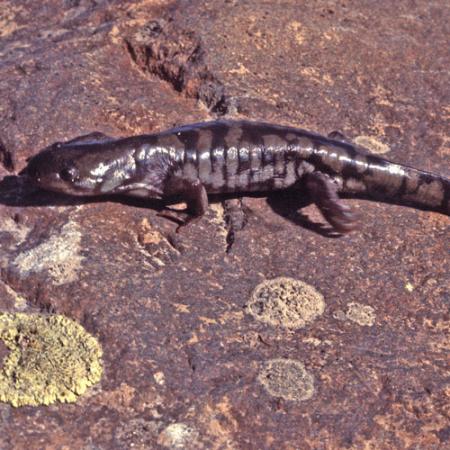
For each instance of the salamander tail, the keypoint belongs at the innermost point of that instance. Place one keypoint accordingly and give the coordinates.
(401, 184)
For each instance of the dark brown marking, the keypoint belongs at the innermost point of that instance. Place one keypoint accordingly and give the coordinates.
(189, 138)
(251, 136)
(218, 148)
(403, 188)
(244, 159)
(267, 156)
(279, 169)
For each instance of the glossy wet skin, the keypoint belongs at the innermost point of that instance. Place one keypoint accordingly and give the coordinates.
(86, 169)
(229, 156)
(62, 171)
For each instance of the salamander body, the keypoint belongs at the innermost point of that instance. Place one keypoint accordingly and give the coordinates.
(234, 157)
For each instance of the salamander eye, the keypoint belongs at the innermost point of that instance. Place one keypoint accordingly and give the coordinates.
(69, 174)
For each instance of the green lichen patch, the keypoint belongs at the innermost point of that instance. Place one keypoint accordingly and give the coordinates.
(286, 302)
(288, 379)
(51, 359)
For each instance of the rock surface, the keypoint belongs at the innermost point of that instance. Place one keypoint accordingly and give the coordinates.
(185, 364)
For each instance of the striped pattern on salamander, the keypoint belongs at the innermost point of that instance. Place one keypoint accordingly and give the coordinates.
(233, 157)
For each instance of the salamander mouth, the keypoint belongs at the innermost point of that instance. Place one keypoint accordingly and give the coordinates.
(34, 177)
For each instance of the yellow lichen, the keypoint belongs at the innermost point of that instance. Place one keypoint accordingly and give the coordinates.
(51, 359)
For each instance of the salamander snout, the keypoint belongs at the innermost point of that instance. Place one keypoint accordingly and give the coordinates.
(49, 171)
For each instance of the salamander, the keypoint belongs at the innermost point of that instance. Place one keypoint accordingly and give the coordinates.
(227, 156)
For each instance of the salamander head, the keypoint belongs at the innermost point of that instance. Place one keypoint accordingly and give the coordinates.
(76, 169)
(58, 168)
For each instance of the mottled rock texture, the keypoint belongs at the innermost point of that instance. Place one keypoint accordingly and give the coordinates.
(183, 360)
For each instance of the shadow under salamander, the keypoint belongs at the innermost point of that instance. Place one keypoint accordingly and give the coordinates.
(17, 191)
(289, 205)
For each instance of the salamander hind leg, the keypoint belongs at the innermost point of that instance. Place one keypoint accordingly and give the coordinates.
(324, 194)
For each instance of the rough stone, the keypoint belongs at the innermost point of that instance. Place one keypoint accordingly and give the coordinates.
(161, 302)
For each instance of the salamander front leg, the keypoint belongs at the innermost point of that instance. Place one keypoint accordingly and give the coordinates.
(197, 201)
(324, 194)
(194, 194)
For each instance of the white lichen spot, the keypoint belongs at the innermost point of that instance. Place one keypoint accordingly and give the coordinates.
(298, 30)
(159, 378)
(240, 70)
(178, 435)
(288, 379)
(286, 302)
(372, 144)
(312, 341)
(363, 315)
(59, 256)
(409, 287)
